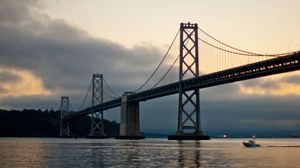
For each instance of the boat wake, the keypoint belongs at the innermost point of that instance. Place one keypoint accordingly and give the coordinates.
(281, 146)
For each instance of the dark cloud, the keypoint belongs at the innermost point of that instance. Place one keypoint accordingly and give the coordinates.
(15, 11)
(65, 56)
(253, 112)
(30, 102)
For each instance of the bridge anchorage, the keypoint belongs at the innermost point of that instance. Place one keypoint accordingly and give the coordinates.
(97, 121)
(188, 126)
(64, 112)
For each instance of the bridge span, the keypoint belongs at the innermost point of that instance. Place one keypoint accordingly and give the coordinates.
(188, 86)
(259, 69)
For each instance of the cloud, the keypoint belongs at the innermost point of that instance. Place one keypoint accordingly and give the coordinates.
(18, 10)
(63, 55)
(259, 112)
(8, 76)
(278, 86)
(292, 79)
(16, 83)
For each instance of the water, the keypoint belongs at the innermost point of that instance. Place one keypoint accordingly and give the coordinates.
(88, 153)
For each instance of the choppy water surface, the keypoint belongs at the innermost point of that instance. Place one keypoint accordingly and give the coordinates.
(85, 153)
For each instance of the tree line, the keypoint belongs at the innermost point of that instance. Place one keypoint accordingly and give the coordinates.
(38, 123)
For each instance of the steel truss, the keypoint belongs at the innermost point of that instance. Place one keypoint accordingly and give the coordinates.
(189, 101)
(97, 121)
(64, 112)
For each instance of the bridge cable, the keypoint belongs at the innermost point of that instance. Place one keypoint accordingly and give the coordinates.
(245, 53)
(72, 107)
(86, 95)
(158, 64)
(90, 105)
(225, 43)
(169, 68)
(114, 97)
(111, 90)
(166, 72)
(237, 53)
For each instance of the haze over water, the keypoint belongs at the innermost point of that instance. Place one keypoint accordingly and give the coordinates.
(88, 153)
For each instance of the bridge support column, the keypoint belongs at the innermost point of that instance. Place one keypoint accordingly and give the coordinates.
(64, 111)
(130, 119)
(188, 127)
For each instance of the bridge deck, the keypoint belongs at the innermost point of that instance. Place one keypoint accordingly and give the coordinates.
(245, 72)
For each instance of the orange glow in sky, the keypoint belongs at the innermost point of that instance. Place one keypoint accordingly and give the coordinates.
(27, 85)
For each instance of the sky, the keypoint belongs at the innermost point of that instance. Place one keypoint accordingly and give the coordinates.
(51, 48)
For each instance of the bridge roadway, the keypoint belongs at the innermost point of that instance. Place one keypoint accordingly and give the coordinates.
(255, 70)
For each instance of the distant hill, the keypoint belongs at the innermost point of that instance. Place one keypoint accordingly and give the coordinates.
(38, 123)
(155, 135)
(258, 133)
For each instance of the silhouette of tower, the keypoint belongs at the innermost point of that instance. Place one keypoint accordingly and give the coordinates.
(97, 121)
(188, 126)
(64, 111)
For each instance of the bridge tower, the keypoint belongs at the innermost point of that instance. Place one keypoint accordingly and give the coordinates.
(64, 111)
(188, 126)
(97, 121)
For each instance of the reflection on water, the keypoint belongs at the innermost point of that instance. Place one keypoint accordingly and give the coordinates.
(189, 158)
(16, 154)
(90, 153)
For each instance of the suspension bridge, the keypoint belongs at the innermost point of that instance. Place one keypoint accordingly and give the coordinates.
(203, 61)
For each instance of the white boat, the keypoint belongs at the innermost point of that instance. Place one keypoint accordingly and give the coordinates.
(251, 143)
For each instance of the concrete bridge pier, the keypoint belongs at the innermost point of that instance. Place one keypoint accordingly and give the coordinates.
(130, 119)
